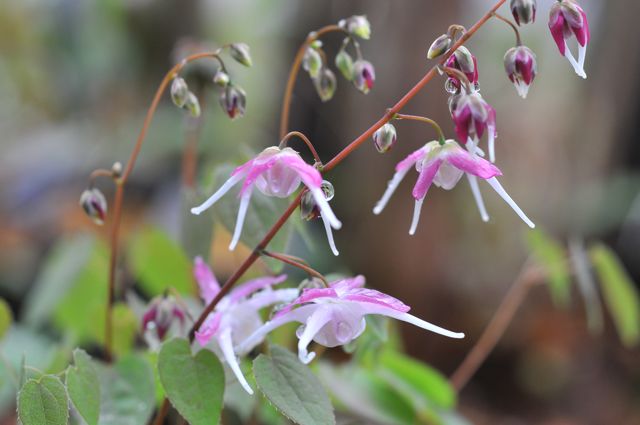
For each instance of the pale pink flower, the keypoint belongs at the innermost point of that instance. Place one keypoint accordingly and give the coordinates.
(444, 165)
(236, 316)
(567, 19)
(275, 172)
(335, 315)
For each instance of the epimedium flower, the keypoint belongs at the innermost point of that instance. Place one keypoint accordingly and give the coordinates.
(472, 117)
(521, 67)
(275, 172)
(567, 19)
(465, 62)
(364, 75)
(162, 312)
(335, 315)
(309, 211)
(443, 165)
(524, 11)
(236, 316)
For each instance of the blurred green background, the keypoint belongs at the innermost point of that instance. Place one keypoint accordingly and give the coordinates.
(76, 77)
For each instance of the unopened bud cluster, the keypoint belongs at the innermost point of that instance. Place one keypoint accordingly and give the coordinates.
(359, 71)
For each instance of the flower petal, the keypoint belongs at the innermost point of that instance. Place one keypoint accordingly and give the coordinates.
(425, 178)
(365, 295)
(251, 286)
(226, 345)
(271, 297)
(320, 317)
(408, 318)
(325, 209)
(327, 228)
(476, 166)
(416, 216)
(414, 157)
(391, 188)
(310, 176)
(208, 329)
(209, 286)
(235, 178)
(242, 213)
(504, 195)
(477, 195)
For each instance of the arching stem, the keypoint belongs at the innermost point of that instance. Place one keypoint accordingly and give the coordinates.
(511, 24)
(305, 139)
(288, 260)
(433, 123)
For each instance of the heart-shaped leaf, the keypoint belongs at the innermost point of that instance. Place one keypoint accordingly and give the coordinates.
(43, 401)
(293, 388)
(83, 386)
(193, 384)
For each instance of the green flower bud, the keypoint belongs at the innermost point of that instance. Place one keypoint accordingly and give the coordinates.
(385, 138)
(357, 25)
(221, 78)
(344, 63)
(312, 62)
(179, 91)
(192, 105)
(240, 52)
(325, 84)
(439, 47)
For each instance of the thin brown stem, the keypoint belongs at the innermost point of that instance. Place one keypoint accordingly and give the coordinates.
(100, 172)
(433, 123)
(305, 139)
(527, 278)
(287, 260)
(293, 74)
(459, 75)
(164, 410)
(511, 24)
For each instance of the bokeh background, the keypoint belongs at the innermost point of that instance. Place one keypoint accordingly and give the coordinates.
(76, 77)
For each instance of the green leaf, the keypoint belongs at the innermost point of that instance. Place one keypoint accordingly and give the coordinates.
(127, 392)
(263, 213)
(6, 317)
(194, 384)
(551, 255)
(83, 385)
(61, 269)
(428, 382)
(620, 294)
(292, 388)
(43, 401)
(125, 328)
(159, 263)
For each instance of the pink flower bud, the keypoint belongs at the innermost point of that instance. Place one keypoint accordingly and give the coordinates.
(385, 138)
(567, 19)
(94, 205)
(161, 314)
(439, 46)
(233, 101)
(473, 117)
(465, 62)
(524, 11)
(520, 65)
(364, 75)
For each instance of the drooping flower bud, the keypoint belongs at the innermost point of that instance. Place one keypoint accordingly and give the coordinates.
(567, 18)
(221, 78)
(179, 91)
(312, 62)
(344, 63)
(364, 75)
(357, 25)
(309, 208)
(192, 105)
(472, 117)
(161, 314)
(524, 11)
(385, 138)
(439, 46)
(325, 84)
(240, 52)
(94, 205)
(233, 101)
(465, 62)
(520, 65)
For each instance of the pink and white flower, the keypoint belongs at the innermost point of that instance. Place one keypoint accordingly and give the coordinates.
(236, 316)
(335, 315)
(444, 165)
(521, 68)
(473, 117)
(567, 19)
(275, 172)
(465, 62)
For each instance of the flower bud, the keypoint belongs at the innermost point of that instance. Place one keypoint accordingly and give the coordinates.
(116, 169)
(161, 314)
(192, 105)
(312, 62)
(357, 25)
(179, 91)
(524, 11)
(521, 68)
(240, 52)
(439, 46)
(385, 138)
(465, 62)
(308, 208)
(364, 75)
(233, 101)
(344, 63)
(221, 78)
(94, 205)
(325, 84)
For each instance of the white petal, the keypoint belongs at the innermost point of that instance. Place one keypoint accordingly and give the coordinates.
(477, 195)
(226, 345)
(582, 54)
(504, 195)
(218, 194)
(492, 145)
(269, 297)
(391, 188)
(325, 209)
(327, 228)
(314, 324)
(408, 318)
(572, 60)
(416, 216)
(242, 213)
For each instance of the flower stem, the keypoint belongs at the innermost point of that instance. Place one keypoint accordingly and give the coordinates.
(293, 74)
(287, 260)
(433, 123)
(305, 139)
(459, 75)
(511, 24)
(529, 276)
